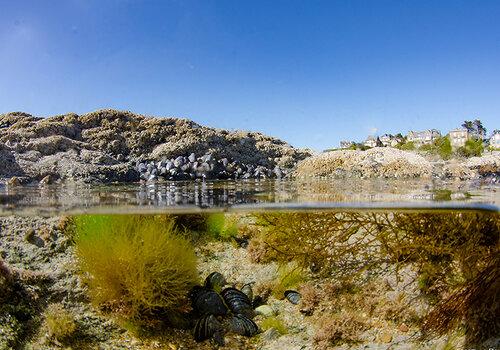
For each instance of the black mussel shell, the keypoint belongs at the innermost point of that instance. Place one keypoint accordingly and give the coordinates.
(215, 281)
(247, 290)
(207, 301)
(292, 296)
(258, 301)
(242, 325)
(238, 302)
(208, 327)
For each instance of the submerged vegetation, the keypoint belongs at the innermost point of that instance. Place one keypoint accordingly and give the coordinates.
(135, 266)
(453, 254)
(342, 277)
(60, 322)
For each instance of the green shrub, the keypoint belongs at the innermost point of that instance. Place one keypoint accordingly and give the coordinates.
(443, 147)
(290, 276)
(60, 322)
(407, 146)
(440, 147)
(135, 265)
(472, 148)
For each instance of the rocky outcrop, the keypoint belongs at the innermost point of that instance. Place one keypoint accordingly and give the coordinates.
(486, 165)
(377, 162)
(109, 145)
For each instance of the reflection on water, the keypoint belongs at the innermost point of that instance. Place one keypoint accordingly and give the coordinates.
(212, 194)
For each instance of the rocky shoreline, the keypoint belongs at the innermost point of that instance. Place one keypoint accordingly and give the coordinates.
(391, 163)
(115, 146)
(108, 146)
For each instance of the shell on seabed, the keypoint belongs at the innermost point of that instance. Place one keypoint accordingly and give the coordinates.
(207, 301)
(247, 290)
(215, 281)
(242, 325)
(208, 327)
(292, 296)
(238, 302)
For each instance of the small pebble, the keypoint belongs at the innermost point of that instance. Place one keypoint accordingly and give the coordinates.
(265, 310)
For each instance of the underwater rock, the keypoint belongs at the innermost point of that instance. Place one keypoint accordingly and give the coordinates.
(238, 302)
(208, 327)
(207, 301)
(242, 325)
(292, 296)
(265, 310)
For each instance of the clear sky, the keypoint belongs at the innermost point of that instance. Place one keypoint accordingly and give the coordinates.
(310, 72)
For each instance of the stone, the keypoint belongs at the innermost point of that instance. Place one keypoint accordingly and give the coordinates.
(206, 158)
(385, 337)
(169, 165)
(270, 334)
(277, 172)
(265, 310)
(403, 328)
(179, 161)
(224, 162)
(192, 158)
(142, 168)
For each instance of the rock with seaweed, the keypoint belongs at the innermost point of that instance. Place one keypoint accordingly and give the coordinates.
(110, 145)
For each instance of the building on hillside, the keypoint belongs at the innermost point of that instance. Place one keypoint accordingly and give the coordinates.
(396, 140)
(386, 140)
(458, 137)
(425, 137)
(346, 144)
(370, 141)
(495, 139)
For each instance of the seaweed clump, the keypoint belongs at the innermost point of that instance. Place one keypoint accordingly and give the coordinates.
(60, 323)
(454, 256)
(137, 267)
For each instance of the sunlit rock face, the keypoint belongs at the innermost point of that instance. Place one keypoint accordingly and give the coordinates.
(107, 145)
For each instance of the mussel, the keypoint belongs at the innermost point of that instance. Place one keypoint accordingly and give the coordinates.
(247, 290)
(238, 302)
(215, 281)
(242, 325)
(292, 296)
(208, 326)
(207, 301)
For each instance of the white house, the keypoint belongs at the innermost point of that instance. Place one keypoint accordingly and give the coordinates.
(423, 137)
(370, 141)
(458, 137)
(495, 140)
(346, 144)
(386, 140)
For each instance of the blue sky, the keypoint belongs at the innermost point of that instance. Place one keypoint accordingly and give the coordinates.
(310, 72)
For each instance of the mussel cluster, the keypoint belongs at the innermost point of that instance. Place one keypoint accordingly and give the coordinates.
(219, 310)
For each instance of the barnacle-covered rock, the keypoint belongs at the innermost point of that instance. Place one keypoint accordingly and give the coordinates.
(208, 327)
(238, 302)
(207, 301)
